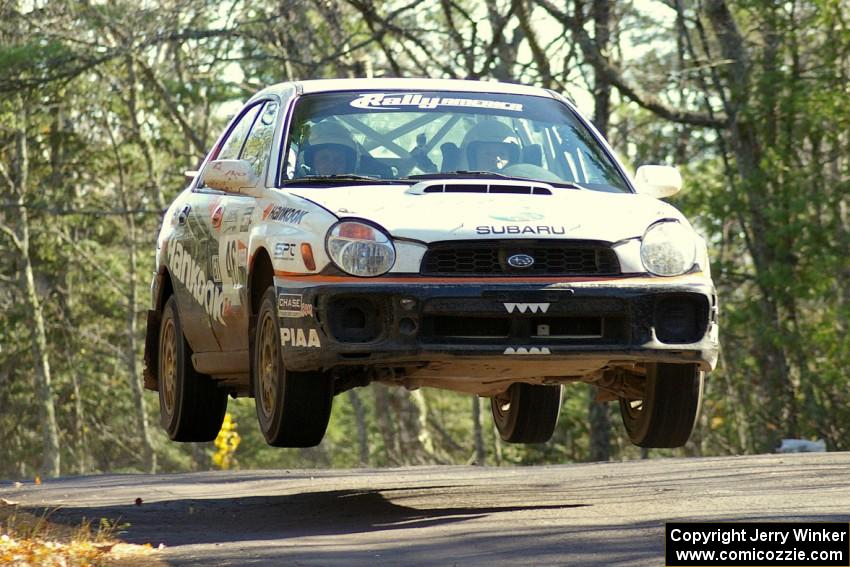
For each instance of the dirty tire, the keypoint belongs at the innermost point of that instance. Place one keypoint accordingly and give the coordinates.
(667, 414)
(293, 408)
(526, 413)
(191, 405)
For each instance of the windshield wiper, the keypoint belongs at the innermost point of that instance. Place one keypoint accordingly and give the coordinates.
(464, 174)
(338, 177)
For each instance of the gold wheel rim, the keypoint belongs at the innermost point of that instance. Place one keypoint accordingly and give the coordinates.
(635, 408)
(168, 376)
(268, 366)
(503, 403)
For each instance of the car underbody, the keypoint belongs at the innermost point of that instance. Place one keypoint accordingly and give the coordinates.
(481, 337)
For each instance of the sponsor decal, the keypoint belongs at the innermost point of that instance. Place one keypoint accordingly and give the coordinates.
(285, 251)
(245, 221)
(527, 307)
(230, 173)
(216, 268)
(514, 229)
(290, 336)
(527, 350)
(519, 217)
(292, 305)
(283, 214)
(232, 259)
(520, 261)
(215, 220)
(229, 221)
(394, 101)
(186, 271)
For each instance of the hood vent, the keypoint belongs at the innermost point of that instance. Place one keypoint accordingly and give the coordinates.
(493, 187)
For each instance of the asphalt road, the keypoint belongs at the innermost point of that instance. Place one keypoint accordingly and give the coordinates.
(580, 514)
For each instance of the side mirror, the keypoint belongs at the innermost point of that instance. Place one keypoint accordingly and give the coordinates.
(658, 180)
(232, 175)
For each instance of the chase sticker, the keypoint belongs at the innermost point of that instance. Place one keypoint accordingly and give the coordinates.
(292, 305)
(397, 101)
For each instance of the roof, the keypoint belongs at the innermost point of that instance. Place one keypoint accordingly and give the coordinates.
(394, 84)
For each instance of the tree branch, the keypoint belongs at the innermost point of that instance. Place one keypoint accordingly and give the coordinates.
(615, 76)
(12, 236)
(175, 112)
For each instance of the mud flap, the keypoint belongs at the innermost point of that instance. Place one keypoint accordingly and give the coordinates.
(152, 350)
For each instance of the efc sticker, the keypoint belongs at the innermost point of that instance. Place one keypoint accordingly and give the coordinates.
(284, 214)
(292, 305)
(528, 350)
(527, 307)
(284, 251)
(393, 101)
(296, 338)
(186, 271)
(513, 229)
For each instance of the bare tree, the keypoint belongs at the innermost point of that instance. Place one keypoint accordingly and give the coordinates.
(16, 179)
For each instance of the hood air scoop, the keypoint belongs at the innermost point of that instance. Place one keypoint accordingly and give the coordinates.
(493, 187)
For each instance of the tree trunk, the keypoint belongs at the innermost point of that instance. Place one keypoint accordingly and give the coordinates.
(775, 371)
(478, 432)
(362, 433)
(137, 388)
(426, 441)
(385, 424)
(51, 460)
(46, 402)
(600, 424)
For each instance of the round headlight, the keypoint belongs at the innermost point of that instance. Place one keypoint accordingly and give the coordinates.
(360, 249)
(668, 249)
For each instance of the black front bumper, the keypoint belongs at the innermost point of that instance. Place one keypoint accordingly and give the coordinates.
(391, 324)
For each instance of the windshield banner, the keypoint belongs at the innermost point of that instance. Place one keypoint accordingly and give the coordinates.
(395, 101)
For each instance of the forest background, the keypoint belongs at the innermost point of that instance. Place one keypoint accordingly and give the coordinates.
(105, 104)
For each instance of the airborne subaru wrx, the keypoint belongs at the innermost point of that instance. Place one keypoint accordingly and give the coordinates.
(477, 237)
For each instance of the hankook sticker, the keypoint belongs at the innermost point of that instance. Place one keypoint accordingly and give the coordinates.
(189, 273)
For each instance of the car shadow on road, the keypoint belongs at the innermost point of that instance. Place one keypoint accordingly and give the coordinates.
(221, 520)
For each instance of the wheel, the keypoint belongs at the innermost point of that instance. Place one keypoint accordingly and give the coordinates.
(526, 413)
(293, 408)
(668, 412)
(191, 405)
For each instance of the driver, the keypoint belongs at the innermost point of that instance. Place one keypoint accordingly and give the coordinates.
(490, 145)
(330, 150)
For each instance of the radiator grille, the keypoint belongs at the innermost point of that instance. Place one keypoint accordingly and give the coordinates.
(560, 258)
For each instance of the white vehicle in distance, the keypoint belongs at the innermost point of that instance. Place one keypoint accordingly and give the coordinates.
(472, 236)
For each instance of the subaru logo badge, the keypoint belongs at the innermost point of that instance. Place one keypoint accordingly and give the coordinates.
(520, 261)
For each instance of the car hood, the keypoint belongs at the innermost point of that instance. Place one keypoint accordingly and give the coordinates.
(430, 217)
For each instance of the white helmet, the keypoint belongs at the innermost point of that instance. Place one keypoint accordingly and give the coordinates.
(490, 132)
(331, 135)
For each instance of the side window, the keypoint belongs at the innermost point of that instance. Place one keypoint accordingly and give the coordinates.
(233, 144)
(259, 142)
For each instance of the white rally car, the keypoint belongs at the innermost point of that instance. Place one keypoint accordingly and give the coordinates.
(473, 236)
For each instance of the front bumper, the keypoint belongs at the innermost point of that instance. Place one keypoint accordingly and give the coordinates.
(450, 327)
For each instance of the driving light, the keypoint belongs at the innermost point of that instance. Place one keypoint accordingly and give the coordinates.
(360, 249)
(668, 249)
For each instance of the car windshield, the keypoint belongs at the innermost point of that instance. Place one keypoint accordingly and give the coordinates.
(398, 136)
